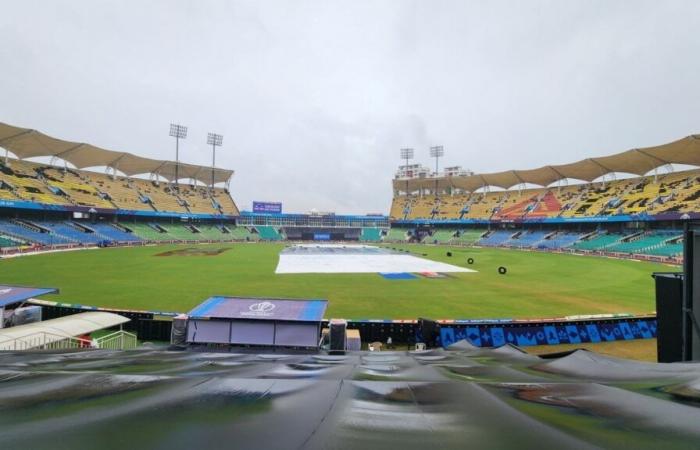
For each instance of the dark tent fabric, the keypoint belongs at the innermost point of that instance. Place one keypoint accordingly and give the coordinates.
(463, 397)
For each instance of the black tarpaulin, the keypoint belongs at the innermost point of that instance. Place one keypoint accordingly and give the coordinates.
(464, 397)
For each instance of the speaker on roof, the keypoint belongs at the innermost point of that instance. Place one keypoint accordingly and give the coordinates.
(338, 334)
(669, 316)
(691, 294)
(428, 332)
(178, 332)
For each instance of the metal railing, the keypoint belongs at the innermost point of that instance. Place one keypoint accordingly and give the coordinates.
(43, 341)
(119, 340)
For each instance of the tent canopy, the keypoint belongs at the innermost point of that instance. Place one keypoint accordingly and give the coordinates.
(637, 161)
(62, 327)
(17, 294)
(28, 143)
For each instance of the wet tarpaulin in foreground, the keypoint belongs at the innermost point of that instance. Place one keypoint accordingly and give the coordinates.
(463, 397)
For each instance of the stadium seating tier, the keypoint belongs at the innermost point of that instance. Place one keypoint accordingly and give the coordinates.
(671, 192)
(42, 183)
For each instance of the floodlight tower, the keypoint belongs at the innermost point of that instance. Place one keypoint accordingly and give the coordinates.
(178, 132)
(436, 152)
(215, 140)
(406, 154)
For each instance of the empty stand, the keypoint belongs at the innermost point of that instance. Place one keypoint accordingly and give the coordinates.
(468, 236)
(371, 235)
(674, 192)
(75, 186)
(268, 233)
(441, 236)
(27, 183)
(644, 242)
(41, 183)
(559, 240)
(243, 234)
(598, 242)
(6, 241)
(496, 238)
(396, 235)
(26, 231)
(112, 232)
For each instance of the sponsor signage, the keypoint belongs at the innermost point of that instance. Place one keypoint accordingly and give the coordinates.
(267, 207)
(260, 309)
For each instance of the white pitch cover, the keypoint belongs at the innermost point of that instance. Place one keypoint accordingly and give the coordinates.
(360, 263)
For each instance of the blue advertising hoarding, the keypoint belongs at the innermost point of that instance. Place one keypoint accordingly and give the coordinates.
(267, 207)
(554, 333)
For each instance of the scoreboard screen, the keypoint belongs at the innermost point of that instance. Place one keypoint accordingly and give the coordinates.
(267, 207)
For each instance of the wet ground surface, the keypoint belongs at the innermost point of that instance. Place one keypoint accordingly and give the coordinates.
(457, 398)
(195, 252)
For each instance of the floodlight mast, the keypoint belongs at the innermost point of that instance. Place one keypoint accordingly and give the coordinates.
(178, 132)
(436, 152)
(215, 140)
(406, 154)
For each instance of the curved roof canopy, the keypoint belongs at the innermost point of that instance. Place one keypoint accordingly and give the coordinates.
(637, 161)
(28, 143)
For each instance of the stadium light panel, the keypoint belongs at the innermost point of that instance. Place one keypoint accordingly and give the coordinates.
(406, 153)
(437, 152)
(178, 131)
(215, 139)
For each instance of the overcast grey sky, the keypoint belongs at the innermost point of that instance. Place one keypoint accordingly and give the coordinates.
(315, 98)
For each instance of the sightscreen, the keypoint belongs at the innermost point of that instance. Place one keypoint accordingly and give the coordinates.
(208, 331)
(296, 334)
(252, 332)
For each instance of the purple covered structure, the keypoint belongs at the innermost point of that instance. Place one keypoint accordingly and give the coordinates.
(256, 321)
(13, 295)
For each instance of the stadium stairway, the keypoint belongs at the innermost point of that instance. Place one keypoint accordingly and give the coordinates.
(526, 239)
(495, 238)
(179, 232)
(148, 232)
(110, 232)
(72, 233)
(559, 240)
(243, 234)
(468, 237)
(598, 242)
(26, 232)
(440, 237)
(639, 244)
(211, 232)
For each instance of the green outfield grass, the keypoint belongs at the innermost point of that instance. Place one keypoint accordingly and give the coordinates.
(537, 284)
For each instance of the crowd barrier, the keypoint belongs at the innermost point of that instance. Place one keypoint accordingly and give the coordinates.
(155, 326)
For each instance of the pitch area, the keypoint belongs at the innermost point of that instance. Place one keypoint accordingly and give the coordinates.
(536, 285)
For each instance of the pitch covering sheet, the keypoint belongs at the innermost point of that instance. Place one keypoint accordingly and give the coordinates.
(347, 258)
